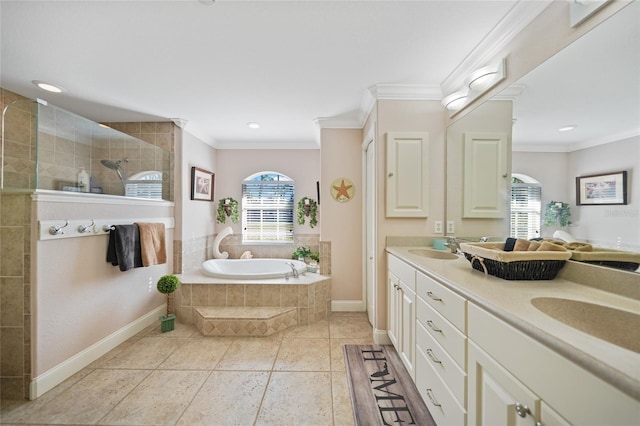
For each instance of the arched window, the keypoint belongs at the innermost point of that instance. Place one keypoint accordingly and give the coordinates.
(525, 207)
(267, 208)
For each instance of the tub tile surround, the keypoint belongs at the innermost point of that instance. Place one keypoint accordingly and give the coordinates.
(310, 295)
(236, 321)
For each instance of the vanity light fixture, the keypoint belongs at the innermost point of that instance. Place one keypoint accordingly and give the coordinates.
(48, 86)
(567, 128)
(485, 77)
(455, 101)
(253, 125)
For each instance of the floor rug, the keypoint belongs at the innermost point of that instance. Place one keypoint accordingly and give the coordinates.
(382, 392)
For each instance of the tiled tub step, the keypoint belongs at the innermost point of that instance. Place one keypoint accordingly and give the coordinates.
(243, 321)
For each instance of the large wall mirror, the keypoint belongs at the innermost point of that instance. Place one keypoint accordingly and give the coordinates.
(593, 84)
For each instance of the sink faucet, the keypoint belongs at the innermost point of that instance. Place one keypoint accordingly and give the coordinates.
(453, 245)
(293, 269)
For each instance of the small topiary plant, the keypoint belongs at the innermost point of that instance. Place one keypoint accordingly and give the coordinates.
(167, 284)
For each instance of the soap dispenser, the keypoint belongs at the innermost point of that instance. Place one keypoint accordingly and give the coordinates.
(83, 180)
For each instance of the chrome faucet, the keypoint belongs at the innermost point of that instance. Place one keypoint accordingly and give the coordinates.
(293, 269)
(453, 245)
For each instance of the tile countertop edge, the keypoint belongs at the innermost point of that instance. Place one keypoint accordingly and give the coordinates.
(437, 269)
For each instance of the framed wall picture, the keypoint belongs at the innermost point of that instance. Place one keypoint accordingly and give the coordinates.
(603, 189)
(201, 184)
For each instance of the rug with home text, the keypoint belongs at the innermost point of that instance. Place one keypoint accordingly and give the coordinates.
(382, 392)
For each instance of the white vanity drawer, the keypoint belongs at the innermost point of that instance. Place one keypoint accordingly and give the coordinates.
(452, 306)
(442, 405)
(450, 338)
(442, 363)
(406, 273)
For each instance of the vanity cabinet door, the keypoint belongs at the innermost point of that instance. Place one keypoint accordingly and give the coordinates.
(407, 180)
(486, 175)
(408, 328)
(495, 396)
(393, 296)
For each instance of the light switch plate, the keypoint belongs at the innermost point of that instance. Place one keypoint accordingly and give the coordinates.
(450, 227)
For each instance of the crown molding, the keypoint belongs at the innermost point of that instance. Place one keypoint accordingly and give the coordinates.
(575, 146)
(429, 92)
(520, 15)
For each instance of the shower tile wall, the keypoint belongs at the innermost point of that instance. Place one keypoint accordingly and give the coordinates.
(157, 154)
(15, 237)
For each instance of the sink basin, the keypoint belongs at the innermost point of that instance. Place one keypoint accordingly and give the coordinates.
(433, 254)
(616, 326)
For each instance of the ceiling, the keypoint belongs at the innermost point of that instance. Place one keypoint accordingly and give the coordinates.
(594, 84)
(283, 64)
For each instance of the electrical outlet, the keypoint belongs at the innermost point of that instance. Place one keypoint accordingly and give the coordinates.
(450, 228)
(437, 227)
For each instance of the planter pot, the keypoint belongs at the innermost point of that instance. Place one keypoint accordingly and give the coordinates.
(167, 322)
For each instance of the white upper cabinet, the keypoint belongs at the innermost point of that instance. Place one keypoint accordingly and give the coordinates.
(486, 176)
(407, 174)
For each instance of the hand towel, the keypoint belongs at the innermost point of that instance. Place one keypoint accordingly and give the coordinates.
(152, 243)
(124, 247)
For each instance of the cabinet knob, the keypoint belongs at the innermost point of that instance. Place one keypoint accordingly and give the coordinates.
(504, 175)
(390, 174)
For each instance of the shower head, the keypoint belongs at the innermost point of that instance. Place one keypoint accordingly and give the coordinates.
(115, 166)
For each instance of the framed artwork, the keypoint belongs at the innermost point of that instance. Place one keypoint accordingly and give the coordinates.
(201, 184)
(603, 189)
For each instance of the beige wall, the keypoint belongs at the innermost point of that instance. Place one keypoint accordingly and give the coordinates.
(407, 116)
(341, 223)
(611, 226)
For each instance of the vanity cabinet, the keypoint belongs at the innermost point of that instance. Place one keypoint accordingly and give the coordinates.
(441, 350)
(407, 182)
(509, 371)
(402, 311)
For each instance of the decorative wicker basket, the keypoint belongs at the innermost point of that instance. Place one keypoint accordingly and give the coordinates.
(491, 259)
(625, 260)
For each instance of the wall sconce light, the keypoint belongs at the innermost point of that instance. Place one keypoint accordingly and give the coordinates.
(485, 77)
(455, 101)
(476, 84)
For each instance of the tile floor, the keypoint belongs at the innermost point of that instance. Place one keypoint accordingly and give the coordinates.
(294, 377)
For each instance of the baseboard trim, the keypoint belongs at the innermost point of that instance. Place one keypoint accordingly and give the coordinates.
(347, 306)
(56, 375)
(381, 337)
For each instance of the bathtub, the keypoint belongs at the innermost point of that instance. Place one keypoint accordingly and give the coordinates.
(250, 269)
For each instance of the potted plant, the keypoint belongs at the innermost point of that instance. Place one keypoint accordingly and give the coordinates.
(307, 207)
(228, 207)
(557, 212)
(167, 284)
(304, 252)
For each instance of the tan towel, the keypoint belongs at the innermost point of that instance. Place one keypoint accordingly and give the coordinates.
(152, 243)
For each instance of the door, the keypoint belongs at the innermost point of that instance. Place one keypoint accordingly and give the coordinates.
(370, 228)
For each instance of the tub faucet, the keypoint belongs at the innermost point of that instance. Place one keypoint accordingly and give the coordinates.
(293, 269)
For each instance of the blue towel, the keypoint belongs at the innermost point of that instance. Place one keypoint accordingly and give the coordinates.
(124, 247)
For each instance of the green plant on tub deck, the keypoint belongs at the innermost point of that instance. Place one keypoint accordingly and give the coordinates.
(305, 252)
(167, 284)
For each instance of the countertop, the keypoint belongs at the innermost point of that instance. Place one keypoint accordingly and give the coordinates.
(510, 301)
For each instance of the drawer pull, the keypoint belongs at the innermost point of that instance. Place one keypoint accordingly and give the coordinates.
(432, 398)
(431, 355)
(434, 297)
(433, 327)
(522, 410)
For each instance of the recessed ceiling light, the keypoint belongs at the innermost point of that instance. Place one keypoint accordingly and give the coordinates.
(567, 128)
(253, 125)
(48, 86)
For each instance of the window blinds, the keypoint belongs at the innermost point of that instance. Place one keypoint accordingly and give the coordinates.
(525, 210)
(267, 211)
